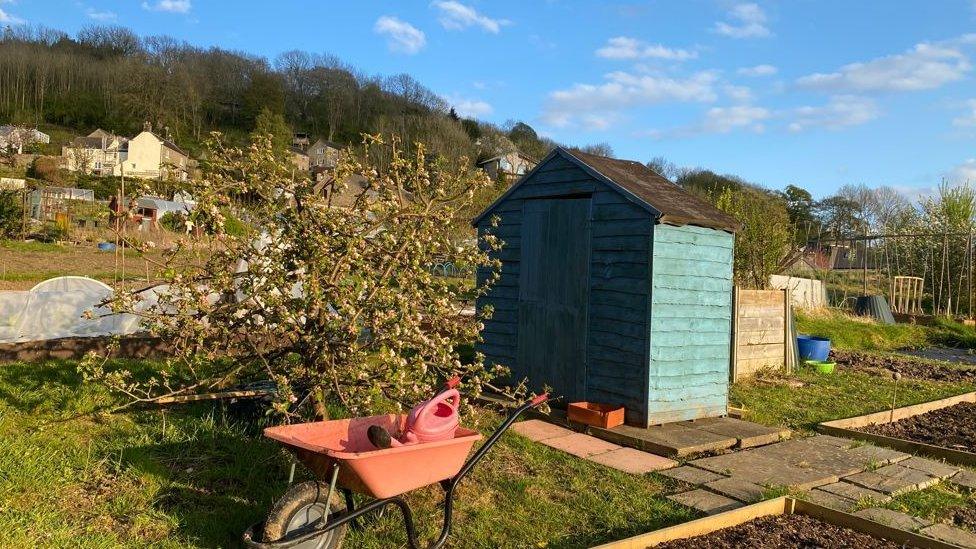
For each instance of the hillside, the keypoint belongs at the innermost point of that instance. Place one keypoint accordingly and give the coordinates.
(75, 82)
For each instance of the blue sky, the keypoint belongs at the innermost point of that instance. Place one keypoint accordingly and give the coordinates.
(816, 93)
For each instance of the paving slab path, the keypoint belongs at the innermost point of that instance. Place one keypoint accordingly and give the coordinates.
(834, 472)
(591, 448)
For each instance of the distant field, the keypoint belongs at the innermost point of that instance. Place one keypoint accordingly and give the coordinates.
(24, 264)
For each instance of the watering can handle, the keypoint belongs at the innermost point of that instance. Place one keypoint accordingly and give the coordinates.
(431, 404)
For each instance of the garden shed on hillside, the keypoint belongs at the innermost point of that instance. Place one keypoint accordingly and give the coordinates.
(615, 287)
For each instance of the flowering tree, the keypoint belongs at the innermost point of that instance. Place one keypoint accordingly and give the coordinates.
(328, 291)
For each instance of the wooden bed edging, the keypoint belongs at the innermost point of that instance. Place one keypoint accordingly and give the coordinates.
(778, 506)
(847, 428)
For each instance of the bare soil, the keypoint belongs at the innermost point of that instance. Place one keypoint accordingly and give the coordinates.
(951, 427)
(782, 531)
(908, 367)
(948, 354)
(963, 517)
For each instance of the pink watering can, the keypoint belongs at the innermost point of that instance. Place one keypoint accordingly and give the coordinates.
(430, 421)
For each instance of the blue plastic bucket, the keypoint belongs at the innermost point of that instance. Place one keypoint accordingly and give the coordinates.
(812, 347)
(106, 246)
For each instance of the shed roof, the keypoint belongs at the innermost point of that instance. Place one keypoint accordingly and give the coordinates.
(666, 200)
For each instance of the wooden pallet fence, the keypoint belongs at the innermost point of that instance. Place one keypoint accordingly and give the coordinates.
(760, 326)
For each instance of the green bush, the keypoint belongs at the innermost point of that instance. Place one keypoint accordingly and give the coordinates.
(173, 221)
(51, 232)
(11, 213)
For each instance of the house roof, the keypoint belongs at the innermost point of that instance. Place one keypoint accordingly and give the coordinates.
(327, 143)
(88, 142)
(667, 201)
(500, 156)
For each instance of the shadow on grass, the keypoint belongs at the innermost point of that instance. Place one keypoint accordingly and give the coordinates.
(214, 485)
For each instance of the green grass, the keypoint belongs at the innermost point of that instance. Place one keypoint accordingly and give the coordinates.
(852, 333)
(773, 401)
(21, 246)
(860, 334)
(197, 476)
(935, 503)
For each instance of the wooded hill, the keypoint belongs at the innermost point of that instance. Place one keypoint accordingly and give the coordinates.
(109, 77)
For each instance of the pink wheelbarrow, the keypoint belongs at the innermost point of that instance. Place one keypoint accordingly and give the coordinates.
(312, 515)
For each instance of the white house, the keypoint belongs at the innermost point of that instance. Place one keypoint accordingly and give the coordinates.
(15, 138)
(507, 166)
(99, 153)
(149, 156)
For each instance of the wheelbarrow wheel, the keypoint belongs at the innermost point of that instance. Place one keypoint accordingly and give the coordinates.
(302, 509)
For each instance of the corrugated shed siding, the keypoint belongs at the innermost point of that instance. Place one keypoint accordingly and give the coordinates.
(691, 315)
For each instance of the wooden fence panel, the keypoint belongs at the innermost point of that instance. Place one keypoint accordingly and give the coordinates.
(759, 331)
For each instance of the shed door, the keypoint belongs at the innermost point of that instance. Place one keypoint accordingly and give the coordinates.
(554, 275)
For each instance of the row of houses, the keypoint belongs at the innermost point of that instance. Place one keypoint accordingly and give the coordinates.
(149, 155)
(146, 156)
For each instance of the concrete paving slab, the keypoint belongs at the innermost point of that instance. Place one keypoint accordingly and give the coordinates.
(894, 519)
(920, 479)
(755, 466)
(747, 434)
(739, 489)
(836, 441)
(580, 445)
(855, 492)
(930, 467)
(950, 534)
(965, 478)
(672, 439)
(633, 461)
(881, 483)
(877, 455)
(705, 501)
(828, 499)
(537, 430)
(691, 475)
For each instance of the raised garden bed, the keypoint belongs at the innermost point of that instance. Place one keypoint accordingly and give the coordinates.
(950, 427)
(781, 522)
(941, 429)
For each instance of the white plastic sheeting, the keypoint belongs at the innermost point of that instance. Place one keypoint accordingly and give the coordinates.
(56, 308)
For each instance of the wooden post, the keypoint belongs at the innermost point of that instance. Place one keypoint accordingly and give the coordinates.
(864, 261)
(733, 354)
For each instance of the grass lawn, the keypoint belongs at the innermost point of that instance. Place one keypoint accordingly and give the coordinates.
(197, 476)
(803, 400)
(861, 334)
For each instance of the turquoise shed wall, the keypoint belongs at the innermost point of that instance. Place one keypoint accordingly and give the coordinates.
(691, 323)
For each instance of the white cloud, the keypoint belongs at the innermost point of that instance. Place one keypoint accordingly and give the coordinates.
(758, 70)
(721, 120)
(924, 67)
(470, 108)
(840, 112)
(623, 47)
(171, 6)
(104, 15)
(10, 19)
(739, 94)
(963, 173)
(969, 118)
(400, 35)
(747, 21)
(622, 90)
(457, 16)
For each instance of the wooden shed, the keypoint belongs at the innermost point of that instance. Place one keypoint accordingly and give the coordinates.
(616, 287)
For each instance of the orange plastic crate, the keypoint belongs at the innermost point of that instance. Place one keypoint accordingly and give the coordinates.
(606, 416)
